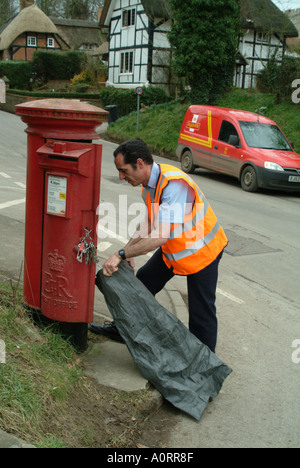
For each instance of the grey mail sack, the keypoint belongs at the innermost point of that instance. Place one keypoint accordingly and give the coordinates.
(184, 370)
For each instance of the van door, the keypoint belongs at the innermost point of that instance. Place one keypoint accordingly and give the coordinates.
(197, 134)
(226, 151)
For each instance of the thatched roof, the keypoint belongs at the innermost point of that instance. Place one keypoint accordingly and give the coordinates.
(30, 19)
(77, 32)
(294, 16)
(153, 9)
(264, 16)
(259, 15)
(157, 9)
(103, 49)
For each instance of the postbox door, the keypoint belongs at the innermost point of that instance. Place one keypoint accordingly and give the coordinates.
(71, 198)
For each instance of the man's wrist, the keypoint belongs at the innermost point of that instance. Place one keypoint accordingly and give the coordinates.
(122, 254)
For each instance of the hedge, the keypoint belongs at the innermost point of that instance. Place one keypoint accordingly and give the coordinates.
(44, 66)
(126, 100)
(18, 73)
(47, 65)
(43, 94)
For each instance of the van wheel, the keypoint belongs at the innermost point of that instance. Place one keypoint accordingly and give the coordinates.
(249, 179)
(187, 162)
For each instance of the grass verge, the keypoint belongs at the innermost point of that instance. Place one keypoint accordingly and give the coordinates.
(160, 124)
(47, 400)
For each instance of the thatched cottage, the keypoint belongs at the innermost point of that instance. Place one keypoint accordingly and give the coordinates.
(139, 50)
(79, 34)
(294, 15)
(28, 31)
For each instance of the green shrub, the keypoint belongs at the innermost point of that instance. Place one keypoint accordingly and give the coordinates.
(56, 65)
(126, 100)
(277, 79)
(18, 73)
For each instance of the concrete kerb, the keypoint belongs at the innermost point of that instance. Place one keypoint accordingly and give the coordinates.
(10, 441)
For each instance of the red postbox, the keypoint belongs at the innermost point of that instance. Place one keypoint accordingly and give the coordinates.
(63, 192)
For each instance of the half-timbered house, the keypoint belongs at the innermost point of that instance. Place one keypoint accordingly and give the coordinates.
(265, 31)
(139, 50)
(140, 53)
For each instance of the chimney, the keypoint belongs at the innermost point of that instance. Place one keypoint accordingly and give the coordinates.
(25, 4)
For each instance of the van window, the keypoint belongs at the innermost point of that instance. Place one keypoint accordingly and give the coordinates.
(264, 136)
(227, 129)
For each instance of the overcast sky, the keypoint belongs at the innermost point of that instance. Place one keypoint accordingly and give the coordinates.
(287, 4)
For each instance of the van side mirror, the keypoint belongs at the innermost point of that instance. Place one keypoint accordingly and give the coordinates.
(292, 144)
(234, 140)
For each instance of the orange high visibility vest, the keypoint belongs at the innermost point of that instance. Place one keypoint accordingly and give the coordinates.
(195, 243)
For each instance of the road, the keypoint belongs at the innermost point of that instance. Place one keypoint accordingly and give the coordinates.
(258, 295)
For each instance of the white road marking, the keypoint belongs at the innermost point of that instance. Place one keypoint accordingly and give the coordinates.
(108, 234)
(6, 176)
(20, 184)
(12, 203)
(112, 235)
(103, 246)
(230, 296)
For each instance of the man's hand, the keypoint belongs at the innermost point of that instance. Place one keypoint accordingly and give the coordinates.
(111, 265)
(138, 246)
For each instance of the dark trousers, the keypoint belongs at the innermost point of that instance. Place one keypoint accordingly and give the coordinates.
(202, 287)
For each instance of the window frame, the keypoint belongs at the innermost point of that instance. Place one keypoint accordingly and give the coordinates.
(224, 130)
(127, 70)
(50, 39)
(31, 39)
(128, 17)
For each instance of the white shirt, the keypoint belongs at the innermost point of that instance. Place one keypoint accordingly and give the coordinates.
(177, 198)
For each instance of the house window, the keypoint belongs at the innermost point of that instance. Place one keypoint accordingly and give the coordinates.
(88, 46)
(264, 38)
(128, 18)
(50, 42)
(31, 41)
(127, 62)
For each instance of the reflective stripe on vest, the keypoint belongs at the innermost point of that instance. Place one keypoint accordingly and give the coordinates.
(196, 242)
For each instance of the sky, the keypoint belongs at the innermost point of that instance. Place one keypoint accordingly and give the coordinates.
(287, 4)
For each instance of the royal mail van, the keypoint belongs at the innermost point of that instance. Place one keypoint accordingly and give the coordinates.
(242, 144)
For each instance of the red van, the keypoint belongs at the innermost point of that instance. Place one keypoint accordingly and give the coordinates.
(242, 144)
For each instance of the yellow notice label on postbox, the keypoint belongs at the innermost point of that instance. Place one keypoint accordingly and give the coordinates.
(63, 196)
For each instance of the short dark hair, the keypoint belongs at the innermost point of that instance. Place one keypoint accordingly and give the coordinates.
(132, 150)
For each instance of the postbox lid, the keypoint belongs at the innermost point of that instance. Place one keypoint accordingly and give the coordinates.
(68, 119)
(62, 108)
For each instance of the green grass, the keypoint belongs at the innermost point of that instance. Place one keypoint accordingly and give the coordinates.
(40, 371)
(159, 127)
(45, 397)
(160, 124)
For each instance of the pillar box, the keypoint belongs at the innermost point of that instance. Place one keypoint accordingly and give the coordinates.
(63, 193)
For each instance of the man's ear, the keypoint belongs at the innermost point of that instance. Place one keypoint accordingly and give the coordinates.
(140, 164)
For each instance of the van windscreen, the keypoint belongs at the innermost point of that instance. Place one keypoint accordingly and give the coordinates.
(264, 136)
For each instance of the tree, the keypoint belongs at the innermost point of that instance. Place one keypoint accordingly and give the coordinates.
(82, 9)
(205, 38)
(75, 9)
(7, 9)
(49, 7)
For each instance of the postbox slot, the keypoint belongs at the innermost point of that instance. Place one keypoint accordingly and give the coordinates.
(69, 156)
(63, 158)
